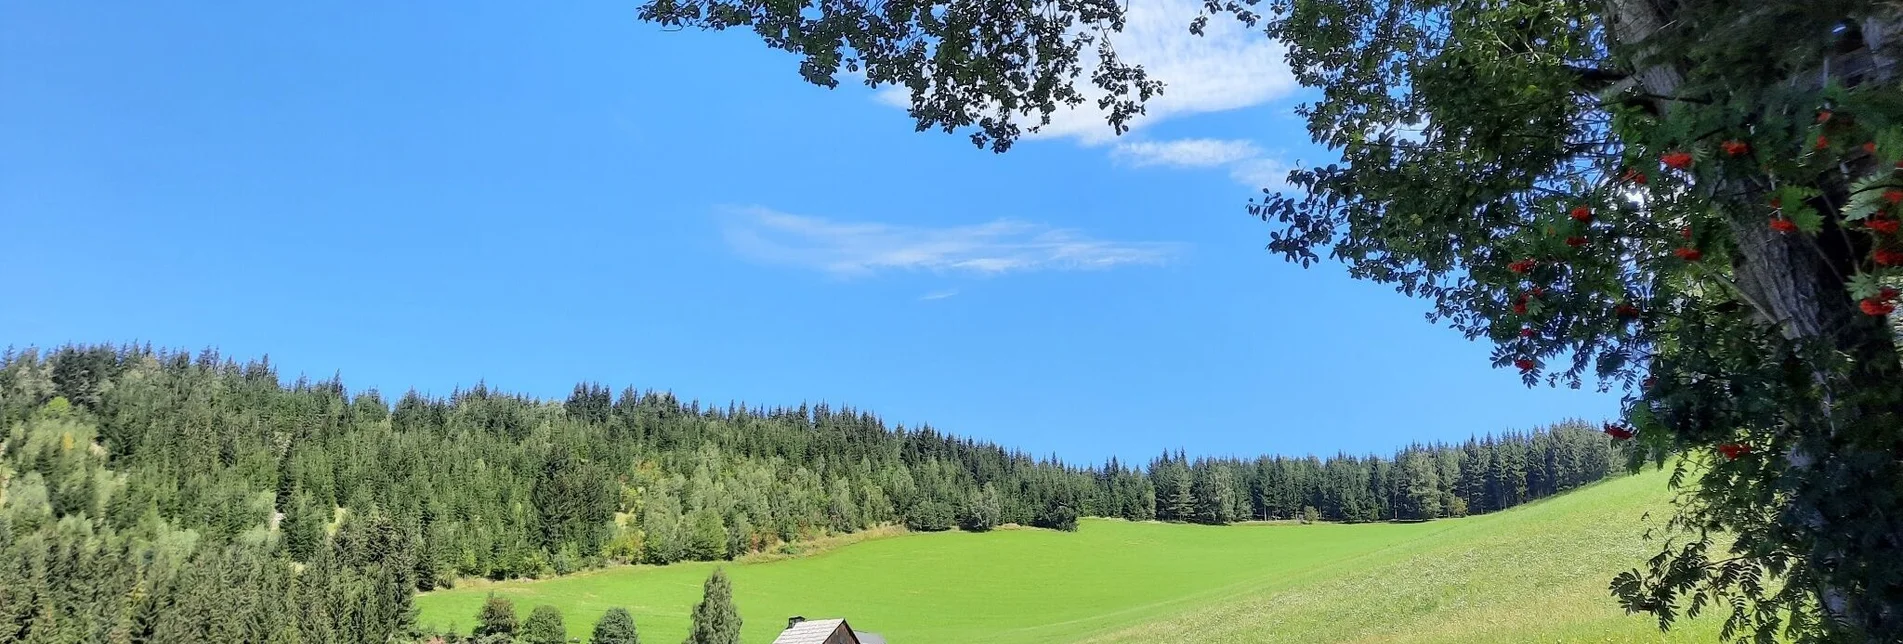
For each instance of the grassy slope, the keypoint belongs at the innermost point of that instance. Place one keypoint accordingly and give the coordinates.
(1536, 573)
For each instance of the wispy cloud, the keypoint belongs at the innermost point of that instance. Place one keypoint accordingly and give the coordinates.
(1246, 162)
(1262, 172)
(992, 248)
(938, 295)
(1185, 153)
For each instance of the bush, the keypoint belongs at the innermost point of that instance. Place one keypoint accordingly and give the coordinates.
(928, 516)
(616, 627)
(497, 617)
(981, 511)
(545, 627)
(1057, 516)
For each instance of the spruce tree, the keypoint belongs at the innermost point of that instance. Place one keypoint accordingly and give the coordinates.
(716, 621)
(615, 627)
(544, 627)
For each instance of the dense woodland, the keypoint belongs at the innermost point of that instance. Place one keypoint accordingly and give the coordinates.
(158, 496)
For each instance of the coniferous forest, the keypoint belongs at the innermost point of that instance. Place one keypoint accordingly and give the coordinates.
(162, 496)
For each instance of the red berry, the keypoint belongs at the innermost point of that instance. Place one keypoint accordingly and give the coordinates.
(1873, 306)
(1521, 266)
(1626, 311)
(1735, 147)
(1884, 225)
(1677, 159)
(1783, 225)
(1823, 116)
(1870, 147)
(1685, 232)
(1539, 291)
(1733, 450)
(1525, 364)
(1886, 293)
(1688, 253)
(1888, 257)
(1526, 333)
(1577, 241)
(1617, 432)
(1519, 308)
(1582, 214)
(1634, 176)
(1893, 196)
(1823, 142)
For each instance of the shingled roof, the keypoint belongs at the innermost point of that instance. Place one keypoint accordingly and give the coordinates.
(812, 631)
(817, 631)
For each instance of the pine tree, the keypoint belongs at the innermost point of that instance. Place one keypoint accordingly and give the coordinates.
(716, 621)
(615, 627)
(544, 626)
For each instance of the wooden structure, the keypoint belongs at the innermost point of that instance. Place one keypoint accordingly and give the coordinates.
(800, 630)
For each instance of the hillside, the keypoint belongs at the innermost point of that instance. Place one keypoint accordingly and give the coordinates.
(1534, 573)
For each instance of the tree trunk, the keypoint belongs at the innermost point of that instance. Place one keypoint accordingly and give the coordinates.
(1845, 479)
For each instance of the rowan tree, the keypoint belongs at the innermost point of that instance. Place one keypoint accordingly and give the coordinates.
(1692, 202)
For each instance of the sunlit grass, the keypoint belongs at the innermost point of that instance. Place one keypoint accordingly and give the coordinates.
(1534, 574)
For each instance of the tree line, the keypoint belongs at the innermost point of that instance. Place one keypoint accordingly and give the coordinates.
(163, 496)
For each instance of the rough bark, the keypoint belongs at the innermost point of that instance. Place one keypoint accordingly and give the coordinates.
(1797, 284)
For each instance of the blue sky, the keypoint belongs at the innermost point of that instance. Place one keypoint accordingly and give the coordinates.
(536, 195)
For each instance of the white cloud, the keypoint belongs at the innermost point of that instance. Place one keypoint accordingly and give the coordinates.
(996, 247)
(1262, 172)
(1230, 66)
(938, 295)
(1186, 153)
(1246, 162)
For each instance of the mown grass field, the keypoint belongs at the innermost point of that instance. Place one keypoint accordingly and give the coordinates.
(1533, 574)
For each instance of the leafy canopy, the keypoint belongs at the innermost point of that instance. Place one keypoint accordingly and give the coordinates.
(1693, 202)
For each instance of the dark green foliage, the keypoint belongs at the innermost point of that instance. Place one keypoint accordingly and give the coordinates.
(544, 626)
(497, 616)
(716, 620)
(615, 627)
(1735, 167)
(981, 511)
(929, 516)
(149, 510)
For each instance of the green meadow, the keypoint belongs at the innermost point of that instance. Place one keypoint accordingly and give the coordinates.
(1536, 573)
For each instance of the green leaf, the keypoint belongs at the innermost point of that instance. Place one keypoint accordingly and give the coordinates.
(1865, 285)
(1866, 196)
(1806, 218)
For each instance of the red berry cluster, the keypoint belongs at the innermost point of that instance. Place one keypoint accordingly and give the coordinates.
(1618, 432)
(1626, 311)
(1525, 364)
(1887, 257)
(1733, 450)
(1688, 253)
(1582, 214)
(1883, 304)
(1677, 160)
(1783, 225)
(1521, 266)
(1632, 175)
(1735, 148)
